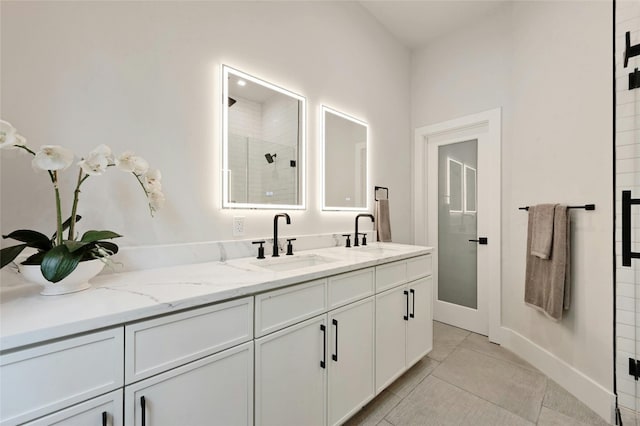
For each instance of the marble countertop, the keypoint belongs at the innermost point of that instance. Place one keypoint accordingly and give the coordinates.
(26, 317)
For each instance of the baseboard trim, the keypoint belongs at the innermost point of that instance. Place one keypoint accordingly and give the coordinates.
(590, 393)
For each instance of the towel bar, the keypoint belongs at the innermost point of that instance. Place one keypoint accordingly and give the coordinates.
(585, 207)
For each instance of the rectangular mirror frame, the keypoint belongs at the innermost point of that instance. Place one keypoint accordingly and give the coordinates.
(324, 110)
(301, 166)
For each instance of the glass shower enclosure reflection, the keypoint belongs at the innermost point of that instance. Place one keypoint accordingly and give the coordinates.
(261, 172)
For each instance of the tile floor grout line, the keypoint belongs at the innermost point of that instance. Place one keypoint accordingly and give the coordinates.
(546, 385)
(483, 399)
(532, 369)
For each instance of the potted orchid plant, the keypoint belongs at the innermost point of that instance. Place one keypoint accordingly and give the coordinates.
(59, 255)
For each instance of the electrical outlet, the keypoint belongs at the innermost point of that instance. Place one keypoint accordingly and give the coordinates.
(238, 226)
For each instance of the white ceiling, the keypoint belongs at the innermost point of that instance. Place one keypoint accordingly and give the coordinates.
(416, 23)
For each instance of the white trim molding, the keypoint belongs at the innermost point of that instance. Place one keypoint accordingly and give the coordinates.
(487, 127)
(585, 389)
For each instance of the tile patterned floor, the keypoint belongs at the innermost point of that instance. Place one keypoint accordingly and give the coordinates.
(466, 380)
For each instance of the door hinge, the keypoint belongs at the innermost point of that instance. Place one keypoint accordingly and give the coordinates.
(634, 368)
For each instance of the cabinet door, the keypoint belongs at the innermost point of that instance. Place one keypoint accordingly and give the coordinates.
(216, 390)
(350, 359)
(290, 376)
(420, 324)
(105, 410)
(391, 310)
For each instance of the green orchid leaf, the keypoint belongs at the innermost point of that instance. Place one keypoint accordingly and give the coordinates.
(65, 226)
(74, 245)
(8, 254)
(59, 262)
(34, 259)
(31, 238)
(93, 235)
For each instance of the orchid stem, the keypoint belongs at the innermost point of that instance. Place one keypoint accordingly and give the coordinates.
(58, 208)
(74, 209)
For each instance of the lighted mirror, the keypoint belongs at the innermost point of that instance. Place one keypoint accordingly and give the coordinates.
(454, 185)
(263, 143)
(345, 161)
(469, 189)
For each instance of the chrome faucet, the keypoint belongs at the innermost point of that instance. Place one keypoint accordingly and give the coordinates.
(356, 243)
(276, 250)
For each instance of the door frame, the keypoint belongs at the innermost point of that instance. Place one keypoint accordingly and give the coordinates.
(486, 128)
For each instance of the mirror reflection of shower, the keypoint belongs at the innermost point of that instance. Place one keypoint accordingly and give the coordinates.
(270, 157)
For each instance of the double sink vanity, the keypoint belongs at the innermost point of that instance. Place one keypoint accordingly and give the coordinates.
(306, 339)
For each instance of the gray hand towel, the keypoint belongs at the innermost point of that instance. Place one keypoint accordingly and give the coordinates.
(542, 237)
(547, 281)
(383, 222)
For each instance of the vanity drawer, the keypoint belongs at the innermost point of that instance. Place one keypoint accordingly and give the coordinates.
(157, 345)
(280, 308)
(419, 267)
(349, 287)
(390, 275)
(46, 378)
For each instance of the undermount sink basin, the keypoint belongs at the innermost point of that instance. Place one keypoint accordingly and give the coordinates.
(375, 249)
(289, 263)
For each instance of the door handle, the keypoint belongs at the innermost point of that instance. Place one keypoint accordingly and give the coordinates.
(627, 254)
(481, 240)
(104, 418)
(323, 363)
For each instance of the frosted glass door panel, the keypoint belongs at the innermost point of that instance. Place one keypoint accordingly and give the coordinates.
(457, 223)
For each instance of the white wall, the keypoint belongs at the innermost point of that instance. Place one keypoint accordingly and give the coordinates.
(146, 76)
(552, 77)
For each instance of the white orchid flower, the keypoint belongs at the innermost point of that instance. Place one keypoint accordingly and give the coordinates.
(152, 180)
(105, 151)
(95, 164)
(156, 200)
(130, 162)
(8, 135)
(52, 157)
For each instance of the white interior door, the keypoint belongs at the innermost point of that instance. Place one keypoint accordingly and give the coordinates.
(458, 213)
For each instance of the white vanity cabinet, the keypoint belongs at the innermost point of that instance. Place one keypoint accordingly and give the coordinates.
(319, 371)
(105, 410)
(308, 353)
(192, 368)
(216, 390)
(291, 375)
(351, 363)
(41, 380)
(404, 326)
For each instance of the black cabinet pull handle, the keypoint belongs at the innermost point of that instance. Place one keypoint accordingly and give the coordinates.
(335, 356)
(406, 317)
(413, 309)
(143, 406)
(323, 363)
(104, 418)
